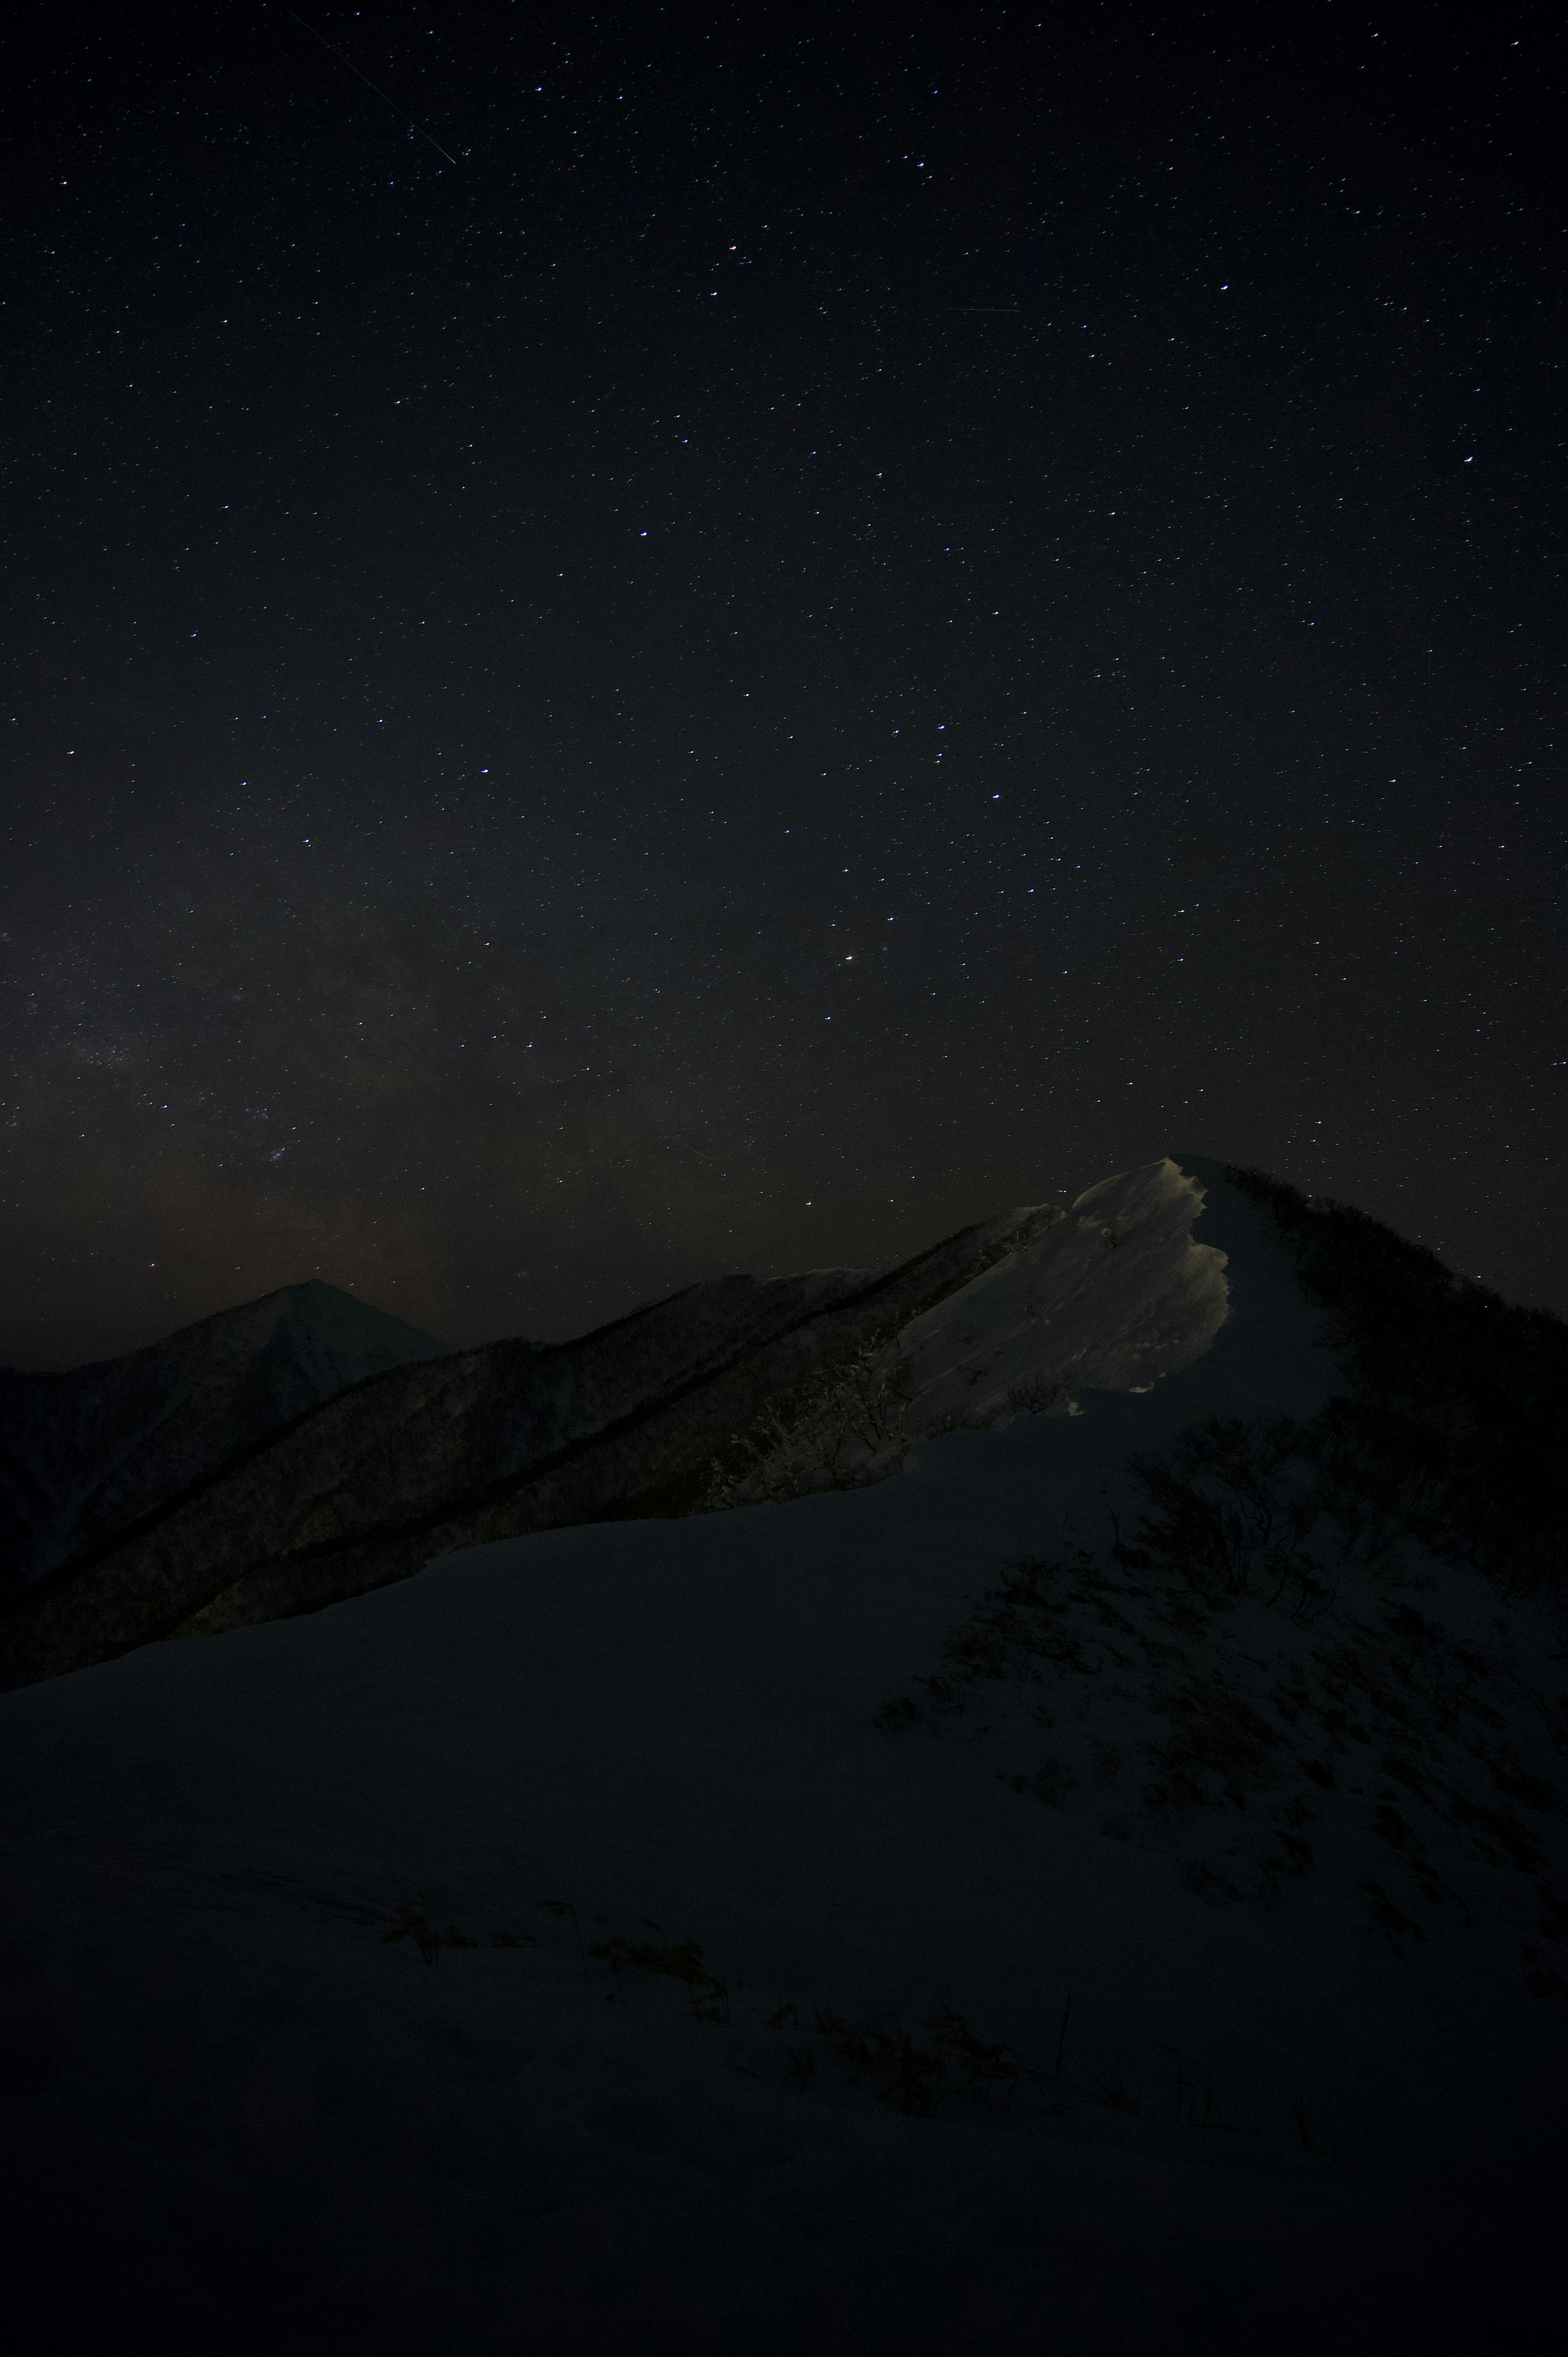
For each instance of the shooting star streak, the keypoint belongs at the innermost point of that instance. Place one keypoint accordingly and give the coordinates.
(381, 93)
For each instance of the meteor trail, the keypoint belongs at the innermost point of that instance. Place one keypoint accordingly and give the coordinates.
(381, 93)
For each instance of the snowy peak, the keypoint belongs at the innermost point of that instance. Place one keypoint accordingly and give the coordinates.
(1115, 1296)
(86, 1454)
(1165, 1280)
(319, 1340)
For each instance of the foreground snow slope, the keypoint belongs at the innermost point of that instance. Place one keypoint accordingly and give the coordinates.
(1256, 2111)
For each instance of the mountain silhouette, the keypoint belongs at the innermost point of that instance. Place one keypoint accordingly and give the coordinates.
(1018, 1801)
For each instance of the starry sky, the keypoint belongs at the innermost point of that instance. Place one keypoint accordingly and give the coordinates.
(649, 641)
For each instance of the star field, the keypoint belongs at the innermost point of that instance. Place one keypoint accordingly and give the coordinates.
(660, 645)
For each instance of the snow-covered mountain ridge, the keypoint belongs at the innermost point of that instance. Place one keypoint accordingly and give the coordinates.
(1100, 1888)
(400, 1458)
(305, 1448)
(1112, 1297)
(656, 1413)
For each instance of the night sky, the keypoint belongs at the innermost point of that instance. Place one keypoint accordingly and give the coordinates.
(728, 640)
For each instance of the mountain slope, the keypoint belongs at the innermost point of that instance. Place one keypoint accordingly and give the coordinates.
(86, 1455)
(435, 1455)
(1103, 1890)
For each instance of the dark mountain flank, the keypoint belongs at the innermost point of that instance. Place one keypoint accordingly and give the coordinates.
(305, 1448)
(219, 1488)
(89, 1455)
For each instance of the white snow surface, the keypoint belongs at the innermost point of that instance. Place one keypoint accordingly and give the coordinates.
(228, 2103)
(1118, 1295)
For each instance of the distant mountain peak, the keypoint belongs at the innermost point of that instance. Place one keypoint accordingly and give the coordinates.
(88, 1454)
